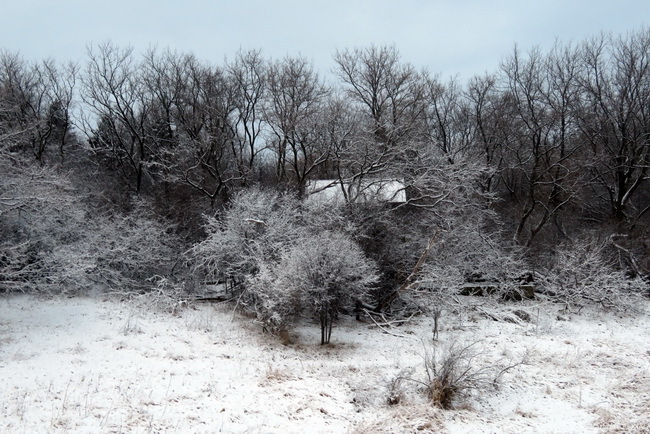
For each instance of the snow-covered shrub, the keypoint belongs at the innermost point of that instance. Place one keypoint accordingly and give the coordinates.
(584, 272)
(54, 239)
(255, 228)
(276, 303)
(320, 275)
(283, 259)
(465, 254)
(324, 274)
(130, 249)
(453, 373)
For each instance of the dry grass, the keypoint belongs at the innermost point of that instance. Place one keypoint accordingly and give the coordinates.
(454, 373)
(420, 418)
(629, 411)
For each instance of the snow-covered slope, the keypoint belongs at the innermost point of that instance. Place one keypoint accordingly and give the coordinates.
(101, 365)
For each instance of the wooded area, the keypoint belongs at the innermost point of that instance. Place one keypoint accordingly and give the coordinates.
(160, 172)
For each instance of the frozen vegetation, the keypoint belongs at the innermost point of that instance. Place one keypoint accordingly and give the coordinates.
(96, 364)
(245, 247)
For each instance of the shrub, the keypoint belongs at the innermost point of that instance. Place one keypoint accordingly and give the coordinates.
(453, 374)
(255, 229)
(321, 274)
(53, 240)
(584, 272)
(330, 273)
(265, 243)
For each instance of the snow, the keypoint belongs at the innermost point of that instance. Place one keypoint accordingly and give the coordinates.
(97, 364)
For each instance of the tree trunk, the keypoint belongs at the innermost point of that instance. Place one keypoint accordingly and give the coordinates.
(326, 322)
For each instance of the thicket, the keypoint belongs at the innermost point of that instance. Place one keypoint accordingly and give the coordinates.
(129, 169)
(282, 258)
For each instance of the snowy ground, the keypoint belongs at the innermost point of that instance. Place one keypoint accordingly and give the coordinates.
(99, 365)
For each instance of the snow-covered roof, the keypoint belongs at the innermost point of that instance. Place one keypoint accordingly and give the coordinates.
(332, 191)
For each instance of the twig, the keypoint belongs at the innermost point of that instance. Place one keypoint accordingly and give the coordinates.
(507, 368)
(396, 321)
(382, 327)
(232, 318)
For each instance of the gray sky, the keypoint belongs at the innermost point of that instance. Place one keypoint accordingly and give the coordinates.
(450, 37)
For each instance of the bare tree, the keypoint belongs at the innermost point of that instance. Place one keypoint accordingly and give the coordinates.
(191, 123)
(247, 78)
(295, 113)
(491, 123)
(35, 102)
(114, 91)
(388, 96)
(388, 91)
(614, 117)
(447, 124)
(539, 176)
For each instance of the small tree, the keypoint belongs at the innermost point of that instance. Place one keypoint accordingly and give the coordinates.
(330, 273)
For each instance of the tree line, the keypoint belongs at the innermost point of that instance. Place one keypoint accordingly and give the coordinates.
(511, 170)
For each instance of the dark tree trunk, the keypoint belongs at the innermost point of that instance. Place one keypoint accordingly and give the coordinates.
(326, 322)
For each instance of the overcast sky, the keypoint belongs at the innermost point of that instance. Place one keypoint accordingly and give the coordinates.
(450, 37)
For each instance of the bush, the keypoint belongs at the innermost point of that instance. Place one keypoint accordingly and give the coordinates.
(284, 259)
(54, 240)
(453, 374)
(584, 272)
(322, 274)
(463, 254)
(255, 229)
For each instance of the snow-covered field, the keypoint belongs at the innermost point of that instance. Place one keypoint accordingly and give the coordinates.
(92, 364)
